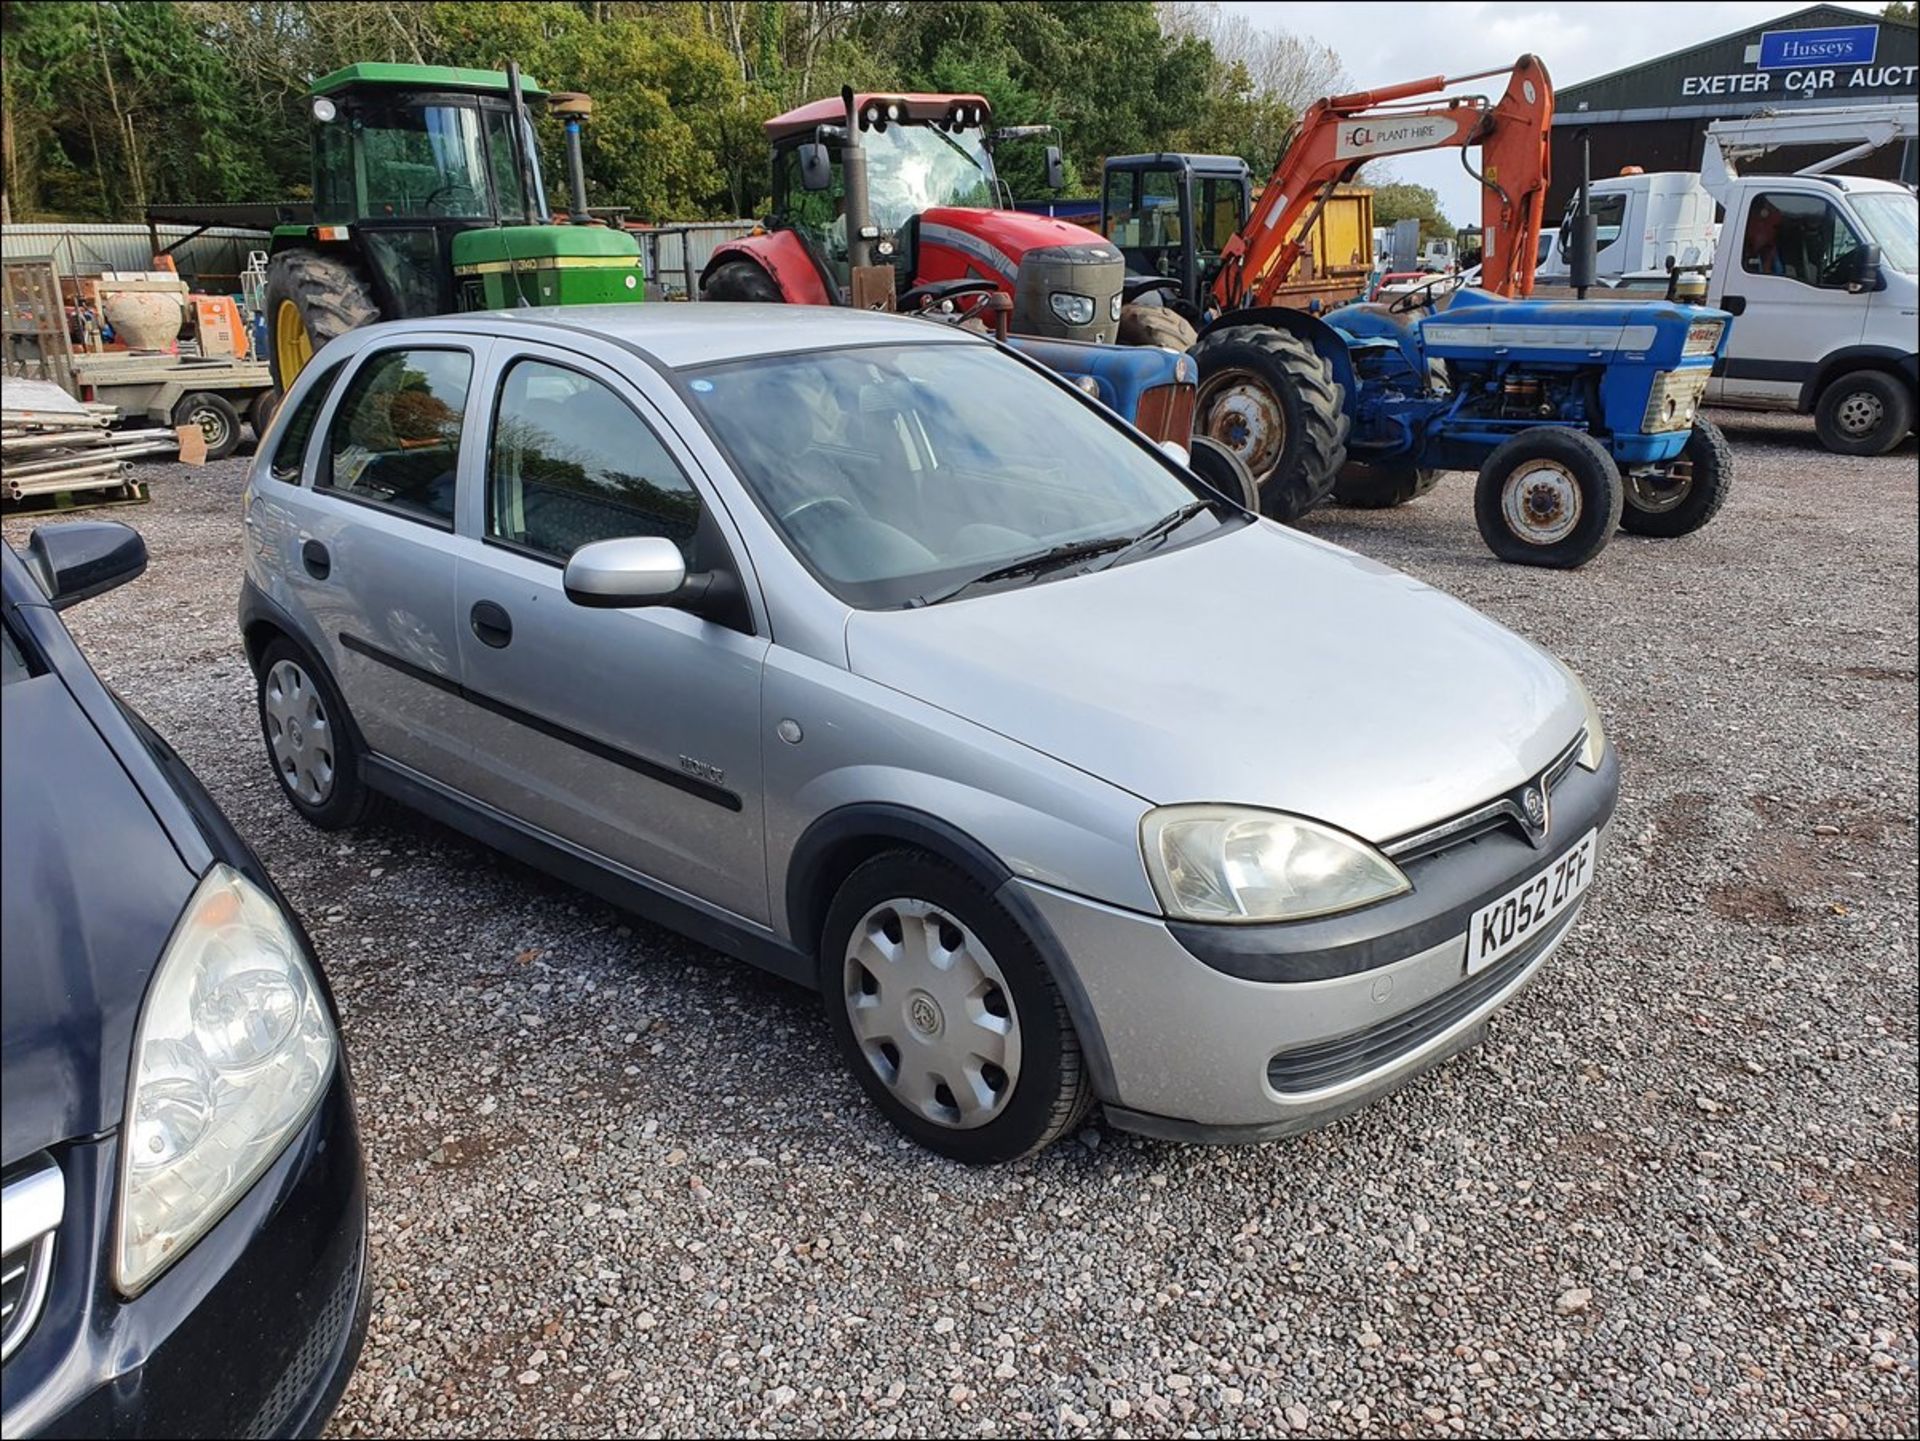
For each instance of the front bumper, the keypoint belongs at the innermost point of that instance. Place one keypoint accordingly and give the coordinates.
(1250, 1033)
(253, 1332)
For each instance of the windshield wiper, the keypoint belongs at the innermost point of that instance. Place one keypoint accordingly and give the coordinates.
(1052, 558)
(1159, 530)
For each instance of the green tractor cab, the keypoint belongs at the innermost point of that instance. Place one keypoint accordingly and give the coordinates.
(427, 199)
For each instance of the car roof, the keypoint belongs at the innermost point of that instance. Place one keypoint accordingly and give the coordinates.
(683, 334)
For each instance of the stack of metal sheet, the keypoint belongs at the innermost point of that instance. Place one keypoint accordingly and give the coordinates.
(50, 442)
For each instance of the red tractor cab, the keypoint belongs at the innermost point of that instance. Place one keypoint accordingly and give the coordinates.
(932, 199)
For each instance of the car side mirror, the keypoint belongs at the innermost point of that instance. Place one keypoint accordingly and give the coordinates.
(79, 561)
(1866, 270)
(1056, 169)
(642, 570)
(816, 167)
(1177, 453)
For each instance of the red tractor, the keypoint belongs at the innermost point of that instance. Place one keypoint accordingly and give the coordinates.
(921, 169)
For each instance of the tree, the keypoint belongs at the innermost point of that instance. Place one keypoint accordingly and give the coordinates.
(1899, 12)
(1397, 201)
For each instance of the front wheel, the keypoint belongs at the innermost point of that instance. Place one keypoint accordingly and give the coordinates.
(1688, 496)
(1548, 497)
(946, 1012)
(1866, 412)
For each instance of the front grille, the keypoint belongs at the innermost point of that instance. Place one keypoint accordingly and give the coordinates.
(1321, 1064)
(1674, 398)
(309, 1366)
(1493, 816)
(30, 1211)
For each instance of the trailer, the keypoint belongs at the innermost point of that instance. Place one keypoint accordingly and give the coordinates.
(214, 393)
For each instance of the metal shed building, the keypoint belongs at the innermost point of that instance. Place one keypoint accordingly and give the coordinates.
(1655, 114)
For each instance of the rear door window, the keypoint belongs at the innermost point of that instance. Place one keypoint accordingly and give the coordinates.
(291, 453)
(395, 439)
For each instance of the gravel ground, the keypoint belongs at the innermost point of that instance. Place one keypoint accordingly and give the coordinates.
(621, 1184)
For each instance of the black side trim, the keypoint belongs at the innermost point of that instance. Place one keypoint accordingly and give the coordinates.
(1447, 889)
(640, 765)
(1734, 367)
(590, 873)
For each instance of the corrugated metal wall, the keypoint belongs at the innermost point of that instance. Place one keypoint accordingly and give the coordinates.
(676, 252)
(212, 261)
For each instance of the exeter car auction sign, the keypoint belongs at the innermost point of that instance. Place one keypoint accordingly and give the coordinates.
(1796, 63)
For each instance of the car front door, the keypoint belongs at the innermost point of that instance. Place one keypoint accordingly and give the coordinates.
(368, 553)
(632, 734)
(1796, 254)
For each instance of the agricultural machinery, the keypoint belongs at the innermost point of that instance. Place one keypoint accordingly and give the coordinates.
(427, 199)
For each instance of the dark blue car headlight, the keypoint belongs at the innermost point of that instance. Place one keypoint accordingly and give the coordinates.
(234, 1048)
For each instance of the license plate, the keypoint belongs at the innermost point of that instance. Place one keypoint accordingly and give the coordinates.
(1503, 926)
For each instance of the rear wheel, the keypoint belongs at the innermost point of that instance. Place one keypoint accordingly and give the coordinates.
(946, 1012)
(1548, 497)
(311, 743)
(1155, 325)
(1272, 400)
(1865, 412)
(219, 422)
(260, 413)
(311, 298)
(740, 280)
(1367, 486)
(1689, 495)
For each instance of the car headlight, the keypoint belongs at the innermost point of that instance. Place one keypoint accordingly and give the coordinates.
(1113, 307)
(1594, 748)
(233, 1050)
(1073, 308)
(1232, 863)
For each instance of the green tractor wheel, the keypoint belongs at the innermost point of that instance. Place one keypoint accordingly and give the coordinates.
(311, 298)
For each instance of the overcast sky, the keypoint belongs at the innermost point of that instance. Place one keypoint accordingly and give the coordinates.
(1385, 43)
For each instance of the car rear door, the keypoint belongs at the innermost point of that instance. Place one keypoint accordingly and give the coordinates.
(368, 556)
(633, 734)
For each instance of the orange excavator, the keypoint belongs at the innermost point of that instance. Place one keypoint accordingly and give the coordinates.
(1270, 384)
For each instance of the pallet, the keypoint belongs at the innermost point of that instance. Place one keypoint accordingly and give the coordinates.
(131, 492)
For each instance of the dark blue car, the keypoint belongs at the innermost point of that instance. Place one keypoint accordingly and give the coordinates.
(184, 1196)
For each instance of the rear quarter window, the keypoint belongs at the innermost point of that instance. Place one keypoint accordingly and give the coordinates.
(291, 451)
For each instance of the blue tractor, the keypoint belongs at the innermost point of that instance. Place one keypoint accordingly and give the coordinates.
(1580, 416)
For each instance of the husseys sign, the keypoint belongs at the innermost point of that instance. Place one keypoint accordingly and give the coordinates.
(1836, 60)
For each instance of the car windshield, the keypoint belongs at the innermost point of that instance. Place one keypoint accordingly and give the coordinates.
(900, 473)
(911, 168)
(1893, 220)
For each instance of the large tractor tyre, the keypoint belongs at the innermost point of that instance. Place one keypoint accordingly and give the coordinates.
(1366, 486)
(1549, 497)
(1155, 325)
(1689, 495)
(1224, 471)
(740, 280)
(261, 411)
(218, 421)
(1864, 412)
(311, 298)
(1271, 400)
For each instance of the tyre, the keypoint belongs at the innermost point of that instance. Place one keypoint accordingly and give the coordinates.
(260, 413)
(219, 422)
(1864, 412)
(311, 742)
(1366, 486)
(1223, 470)
(1548, 497)
(946, 1012)
(1154, 325)
(740, 280)
(1270, 399)
(311, 298)
(1691, 493)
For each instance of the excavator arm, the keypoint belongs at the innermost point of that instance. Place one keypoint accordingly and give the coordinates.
(1341, 133)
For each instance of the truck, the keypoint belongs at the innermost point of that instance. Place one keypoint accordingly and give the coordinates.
(1642, 220)
(1821, 269)
(427, 199)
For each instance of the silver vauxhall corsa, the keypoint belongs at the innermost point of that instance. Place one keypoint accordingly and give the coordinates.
(864, 650)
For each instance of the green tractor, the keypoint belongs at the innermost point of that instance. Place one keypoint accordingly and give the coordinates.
(427, 199)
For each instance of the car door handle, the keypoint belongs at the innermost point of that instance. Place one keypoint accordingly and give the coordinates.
(491, 623)
(314, 557)
(1734, 304)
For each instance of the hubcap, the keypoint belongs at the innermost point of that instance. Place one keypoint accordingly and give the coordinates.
(292, 346)
(1238, 410)
(1861, 413)
(298, 733)
(213, 425)
(932, 1013)
(1541, 503)
(1654, 494)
